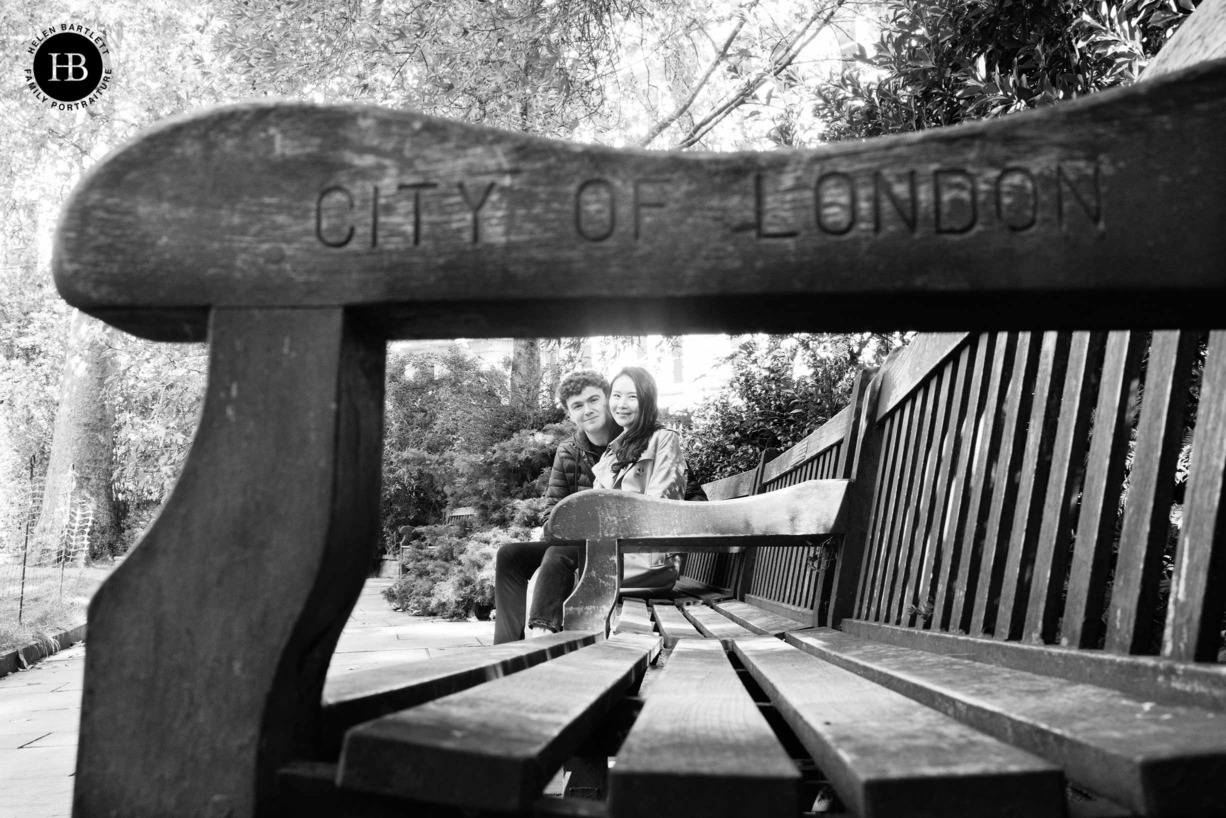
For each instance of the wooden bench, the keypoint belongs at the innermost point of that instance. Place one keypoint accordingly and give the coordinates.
(949, 672)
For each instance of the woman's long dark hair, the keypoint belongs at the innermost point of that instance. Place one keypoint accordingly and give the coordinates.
(635, 438)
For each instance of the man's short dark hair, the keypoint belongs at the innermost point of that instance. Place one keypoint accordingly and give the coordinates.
(575, 382)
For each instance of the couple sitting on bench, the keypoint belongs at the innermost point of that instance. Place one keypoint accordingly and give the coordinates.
(619, 444)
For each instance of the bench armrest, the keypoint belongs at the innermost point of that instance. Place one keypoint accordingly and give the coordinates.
(615, 521)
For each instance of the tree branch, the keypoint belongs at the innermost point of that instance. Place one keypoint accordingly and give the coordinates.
(751, 85)
(659, 127)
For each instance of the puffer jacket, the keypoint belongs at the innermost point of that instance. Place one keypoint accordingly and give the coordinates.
(572, 468)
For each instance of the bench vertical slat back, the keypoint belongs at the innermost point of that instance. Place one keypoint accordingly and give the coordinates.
(1036, 469)
(1198, 586)
(949, 535)
(987, 446)
(951, 450)
(1082, 624)
(1069, 452)
(1146, 526)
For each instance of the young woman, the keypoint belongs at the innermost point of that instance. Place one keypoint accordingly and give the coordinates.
(645, 458)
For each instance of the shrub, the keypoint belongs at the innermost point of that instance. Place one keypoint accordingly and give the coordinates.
(448, 571)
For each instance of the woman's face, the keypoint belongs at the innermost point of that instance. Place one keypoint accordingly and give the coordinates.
(624, 401)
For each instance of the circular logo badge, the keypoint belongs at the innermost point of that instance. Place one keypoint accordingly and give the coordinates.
(71, 66)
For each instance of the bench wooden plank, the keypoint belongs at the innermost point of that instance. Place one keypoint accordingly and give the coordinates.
(1157, 759)
(1082, 625)
(702, 747)
(950, 537)
(367, 694)
(1198, 586)
(1146, 526)
(714, 625)
(1033, 478)
(1004, 486)
(671, 623)
(511, 735)
(635, 617)
(1068, 456)
(756, 619)
(887, 755)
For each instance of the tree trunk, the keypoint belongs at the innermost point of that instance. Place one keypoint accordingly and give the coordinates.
(78, 511)
(526, 374)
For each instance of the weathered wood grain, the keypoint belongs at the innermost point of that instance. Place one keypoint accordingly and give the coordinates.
(367, 694)
(930, 765)
(1146, 525)
(1005, 482)
(1036, 469)
(1198, 585)
(635, 618)
(1067, 464)
(1082, 626)
(495, 746)
(1160, 760)
(830, 433)
(983, 466)
(952, 535)
(671, 623)
(1144, 677)
(268, 499)
(439, 229)
(888, 433)
(913, 365)
(701, 747)
(814, 507)
(714, 625)
(738, 485)
(756, 619)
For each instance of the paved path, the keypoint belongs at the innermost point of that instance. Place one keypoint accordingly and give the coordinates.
(40, 707)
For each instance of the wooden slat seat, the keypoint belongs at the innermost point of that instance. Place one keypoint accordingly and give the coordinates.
(495, 746)
(672, 623)
(755, 619)
(634, 617)
(714, 625)
(1157, 759)
(367, 694)
(889, 755)
(701, 747)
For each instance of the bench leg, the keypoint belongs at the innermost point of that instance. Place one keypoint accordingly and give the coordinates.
(208, 647)
(590, 606)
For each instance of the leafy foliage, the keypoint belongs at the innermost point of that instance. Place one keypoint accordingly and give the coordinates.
(781, 389)
(944, 62)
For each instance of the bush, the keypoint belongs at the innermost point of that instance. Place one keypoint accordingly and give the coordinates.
(448, 571)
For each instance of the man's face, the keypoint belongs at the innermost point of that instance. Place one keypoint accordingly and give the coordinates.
(589, 410)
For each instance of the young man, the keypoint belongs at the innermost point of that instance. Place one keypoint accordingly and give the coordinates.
(584, 394)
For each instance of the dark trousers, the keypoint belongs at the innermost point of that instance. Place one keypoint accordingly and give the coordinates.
(516, 562)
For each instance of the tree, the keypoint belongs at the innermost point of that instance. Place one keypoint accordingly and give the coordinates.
(944, 62)
(782, 388)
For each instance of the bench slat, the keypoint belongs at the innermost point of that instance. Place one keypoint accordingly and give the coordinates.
(947, 536)
(701, 746)
(367, 694)
(1003, 489)
(1068, 455)
(887, 755)
(672, 623)
(715, 625)
(1033, 479)
(511, 735)
(1198, 587)
(1146, 526)
(1160, 760)
(1082, 624)
(634, 617)
(757, 620)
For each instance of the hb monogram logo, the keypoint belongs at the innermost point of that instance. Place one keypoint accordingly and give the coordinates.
(71, 66)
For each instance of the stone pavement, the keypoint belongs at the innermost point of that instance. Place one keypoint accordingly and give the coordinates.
(40, 707)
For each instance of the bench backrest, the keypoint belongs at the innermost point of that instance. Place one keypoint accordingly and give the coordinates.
(300, 239)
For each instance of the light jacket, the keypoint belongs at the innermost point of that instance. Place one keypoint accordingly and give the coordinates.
(659, 472)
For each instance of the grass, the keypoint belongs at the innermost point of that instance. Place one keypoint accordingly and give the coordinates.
(45, 611)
